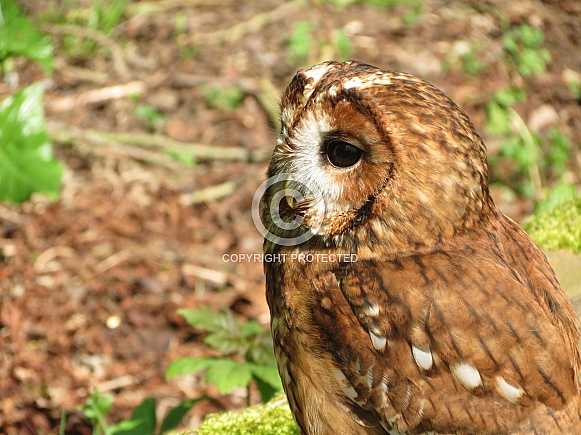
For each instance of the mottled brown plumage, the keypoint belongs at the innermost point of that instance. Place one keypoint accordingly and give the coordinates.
(435, 313)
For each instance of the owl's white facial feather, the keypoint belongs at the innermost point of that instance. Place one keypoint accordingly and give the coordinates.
(306, 167)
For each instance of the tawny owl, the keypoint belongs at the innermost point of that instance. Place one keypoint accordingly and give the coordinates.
(402, 299)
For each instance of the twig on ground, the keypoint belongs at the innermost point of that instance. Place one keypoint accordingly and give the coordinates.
(77, 74)
(10, 215)
(114, 260)
(163, 143)
(43, 260)
(114, 384)
(95, 96)
(264, 91)
(160, 6)
(216, 277)
(237, 31)
(118, 58)
(208, 194)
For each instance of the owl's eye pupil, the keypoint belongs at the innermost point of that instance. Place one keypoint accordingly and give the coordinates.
(343, 154)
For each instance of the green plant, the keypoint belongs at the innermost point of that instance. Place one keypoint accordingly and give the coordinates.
(180, 23)
(18, 37)
(154, 119)
(223, 98)
(470, 64)
(558, 154)
(465, 56)
(412, 8)
(300, 43)
(305, 48)
(558, 227)
(143, 420)
(518, 144)
(270, 418)
(470, 61)
(523, 44)
(246, 349)
(106, 14)
(342, 44)
(27, 164)
(103, 16)
(413, 12)
(536, 158)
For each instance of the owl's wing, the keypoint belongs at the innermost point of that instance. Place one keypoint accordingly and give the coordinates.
(467, 329)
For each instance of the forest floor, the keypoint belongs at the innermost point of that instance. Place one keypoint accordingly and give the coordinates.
(90, 284)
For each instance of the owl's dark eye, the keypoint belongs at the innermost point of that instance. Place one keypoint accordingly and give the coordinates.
(342, 154)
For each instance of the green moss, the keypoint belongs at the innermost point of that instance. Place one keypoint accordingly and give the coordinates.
(273, 418)
(557, 228)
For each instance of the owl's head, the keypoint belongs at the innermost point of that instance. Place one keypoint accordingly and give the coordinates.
(370, 155)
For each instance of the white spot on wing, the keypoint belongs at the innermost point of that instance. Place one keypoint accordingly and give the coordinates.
(384, 385)
(423, 358)
(467, 375)
(509, 392)
(371, 310)
(378, 341)
(326, 303)
(344, 383)
(357, 365)
(370, 378)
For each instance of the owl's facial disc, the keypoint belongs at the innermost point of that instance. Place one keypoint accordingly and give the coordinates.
(336, 159)
(378, 151)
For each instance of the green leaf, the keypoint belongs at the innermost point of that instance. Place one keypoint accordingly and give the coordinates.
(343, 44)
(510, 43)
(497, 119)
(141, 422)
(18, 37)
(530, 36)
(96, 408)
(223, 98)
(63, 422)
(97, 405)
(267, 391)
(27, 164)
(226, 374)
(559, 194)
(558, 154)
(185, 366)
(177, 414)
(531, 62)
(301, 41)
(251, 328)
(509, 96)
(267, 374)
(204, 318)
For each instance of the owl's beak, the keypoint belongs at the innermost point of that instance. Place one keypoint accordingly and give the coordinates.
(290, 200)
(289, 186)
